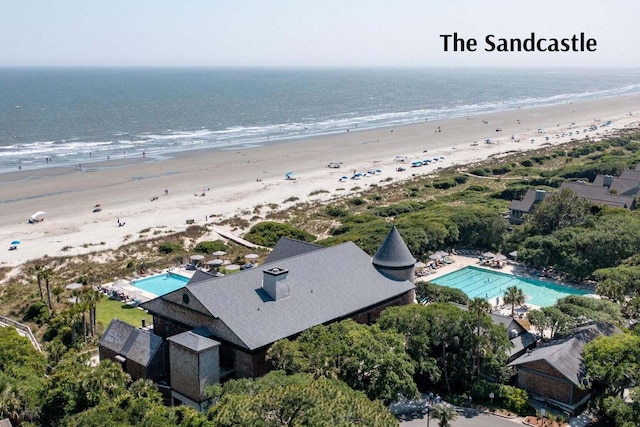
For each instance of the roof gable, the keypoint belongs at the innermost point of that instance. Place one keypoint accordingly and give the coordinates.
(287, 247)
(132, 343)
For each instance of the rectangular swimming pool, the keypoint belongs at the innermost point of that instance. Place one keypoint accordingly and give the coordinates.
(161, 284)
(480, 282)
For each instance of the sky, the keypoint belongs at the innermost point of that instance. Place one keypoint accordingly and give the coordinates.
(309, 33)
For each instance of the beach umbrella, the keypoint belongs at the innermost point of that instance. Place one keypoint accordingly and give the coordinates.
(420, 264)
(232, 267)
(196, 257)
(215, 262)
(514, 254)
(219, 253)
(252, 256)
(37, 214)
(15, 242)
(499, 257)
(488, 255)
(435, 256)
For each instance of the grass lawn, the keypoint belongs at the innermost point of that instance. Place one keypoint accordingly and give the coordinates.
(109, 309)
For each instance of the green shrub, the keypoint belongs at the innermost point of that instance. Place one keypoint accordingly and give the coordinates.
(169, 247)
(526, 163)
(335, 211)
(461, 179)
(444, 184)
(357, 201)
(210, 247)
(268, 233)
(515, 399)
(37, 312)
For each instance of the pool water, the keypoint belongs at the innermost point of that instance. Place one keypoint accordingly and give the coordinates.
(479, 282)
(161, 284)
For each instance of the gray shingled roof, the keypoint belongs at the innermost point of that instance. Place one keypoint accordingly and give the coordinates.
(325, 285)
(565, 353)
(132, 343)
(599, 195)
(393, 252)
(200, 275)
(287, 247)
(193, 341)
(527, 203)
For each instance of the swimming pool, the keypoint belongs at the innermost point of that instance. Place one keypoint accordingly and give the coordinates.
(480, 282)
(161, 284)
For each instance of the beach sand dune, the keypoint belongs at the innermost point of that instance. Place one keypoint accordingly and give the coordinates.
(231, 183)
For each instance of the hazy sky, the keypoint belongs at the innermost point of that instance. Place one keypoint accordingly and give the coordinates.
(302, 33)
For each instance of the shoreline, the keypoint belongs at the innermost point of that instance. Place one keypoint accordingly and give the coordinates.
(235, 181)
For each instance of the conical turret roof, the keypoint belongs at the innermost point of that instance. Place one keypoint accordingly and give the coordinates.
(393, 252)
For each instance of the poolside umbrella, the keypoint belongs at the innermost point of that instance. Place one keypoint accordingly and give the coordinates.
(489, 255)
(435, 256)
(420, 264)
(252, 256)
(196, 257)
(514, 254)
(499, 257)
(219, 253)
(232, 267)
(15, 242)
(215, 262)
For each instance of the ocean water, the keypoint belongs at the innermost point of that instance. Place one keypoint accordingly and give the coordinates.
(81, 115)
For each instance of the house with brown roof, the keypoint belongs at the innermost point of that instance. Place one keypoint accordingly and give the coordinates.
(222, 327)
(554, 371)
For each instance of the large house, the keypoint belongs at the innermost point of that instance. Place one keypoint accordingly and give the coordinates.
(554, 371)
(221, 327)
(617, 191)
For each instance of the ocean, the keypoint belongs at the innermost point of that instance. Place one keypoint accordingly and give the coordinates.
(56, 117)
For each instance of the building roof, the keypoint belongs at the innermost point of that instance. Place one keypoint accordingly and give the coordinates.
(393, 253)
(599, 195)
(326, 284)
(528, 201)
(287, 247)
(565, 353)
(134, 344)
(193, 341)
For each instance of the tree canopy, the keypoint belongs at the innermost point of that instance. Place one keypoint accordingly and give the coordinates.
(278, 399)
(365, 357)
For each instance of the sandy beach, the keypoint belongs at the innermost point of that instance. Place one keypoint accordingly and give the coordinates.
(210, 185)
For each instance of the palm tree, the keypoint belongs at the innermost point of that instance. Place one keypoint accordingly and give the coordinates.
(37, 270)
(445, 413)
(514, 296)
(480, 307)
(46, 275)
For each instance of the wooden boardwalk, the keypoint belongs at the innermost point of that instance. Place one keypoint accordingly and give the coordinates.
(238, 240)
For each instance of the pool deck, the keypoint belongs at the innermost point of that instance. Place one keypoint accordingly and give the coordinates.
(510, 267)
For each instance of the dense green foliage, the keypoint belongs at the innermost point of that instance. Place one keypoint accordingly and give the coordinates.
(612, 365)
(210, 247)
(365, 357)
(268, 233)
(444, 345)
(430, 292)
(572, 311)
(278, 399)
(22, 371)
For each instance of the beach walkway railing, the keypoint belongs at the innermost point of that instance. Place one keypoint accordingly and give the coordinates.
(23, 330)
